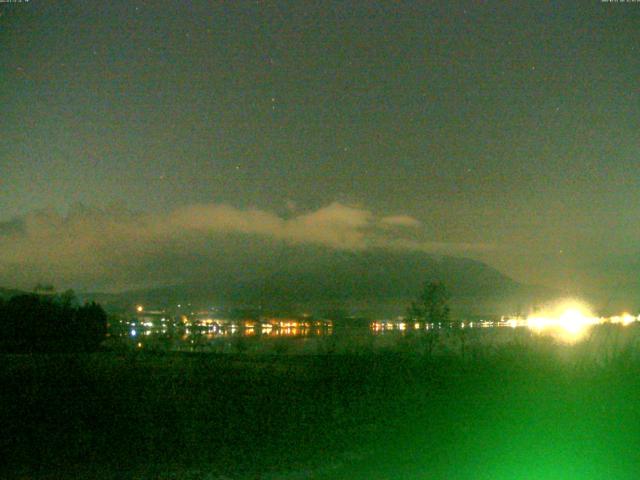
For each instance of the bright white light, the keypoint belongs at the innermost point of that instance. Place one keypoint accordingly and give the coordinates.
(568, 320)
(624, 319)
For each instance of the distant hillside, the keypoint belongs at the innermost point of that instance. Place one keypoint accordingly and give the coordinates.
(371, 281)
(9, 292)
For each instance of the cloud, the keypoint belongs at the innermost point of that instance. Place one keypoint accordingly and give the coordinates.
(400, 221)
(116, 248)
(336, 225)
(291, 205)
(442, 248)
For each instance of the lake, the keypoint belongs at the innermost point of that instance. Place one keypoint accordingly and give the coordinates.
(463, 338)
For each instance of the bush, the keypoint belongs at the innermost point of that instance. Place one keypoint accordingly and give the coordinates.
(36, 323)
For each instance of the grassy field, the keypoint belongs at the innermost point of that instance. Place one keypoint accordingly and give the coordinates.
(517, 413)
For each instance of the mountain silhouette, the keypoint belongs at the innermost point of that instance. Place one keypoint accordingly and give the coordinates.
(374, 281)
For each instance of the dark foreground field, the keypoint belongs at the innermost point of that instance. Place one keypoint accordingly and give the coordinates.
(515, 414)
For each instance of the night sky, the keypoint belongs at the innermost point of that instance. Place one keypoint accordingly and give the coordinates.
(502, 131)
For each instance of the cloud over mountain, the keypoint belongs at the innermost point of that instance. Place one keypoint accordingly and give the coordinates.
(116, 248)
(400, 221)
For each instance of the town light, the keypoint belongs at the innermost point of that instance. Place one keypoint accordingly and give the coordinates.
(568, 320)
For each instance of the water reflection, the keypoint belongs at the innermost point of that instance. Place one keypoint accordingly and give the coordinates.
(382, 326)
(562, 323)
(215, 335)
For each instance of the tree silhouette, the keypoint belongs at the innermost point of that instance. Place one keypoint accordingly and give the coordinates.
(432, 308)
(91, 325)
(45, 323)
(432, 305)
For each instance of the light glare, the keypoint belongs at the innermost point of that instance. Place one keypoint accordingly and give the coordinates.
(568, 320)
